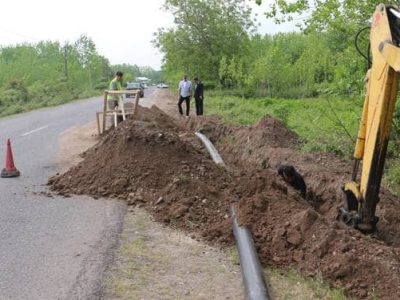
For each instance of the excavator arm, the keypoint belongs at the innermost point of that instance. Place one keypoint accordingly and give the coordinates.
(362, 196)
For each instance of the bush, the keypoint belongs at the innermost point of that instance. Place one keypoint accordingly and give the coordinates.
(13, 92)
(209, 85)
(101, 86)
(392, 176)
(9, 97)
(88, 93)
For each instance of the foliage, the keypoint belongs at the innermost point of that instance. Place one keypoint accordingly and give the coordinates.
(323, 14)
(215, 40)
(48, 73)
(293, 65)
(204, 32)
(392, 178)
(339, 21)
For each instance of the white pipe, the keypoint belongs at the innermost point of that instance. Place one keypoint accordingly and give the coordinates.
(211, 149)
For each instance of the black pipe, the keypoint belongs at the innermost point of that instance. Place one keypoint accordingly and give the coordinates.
(252, 273)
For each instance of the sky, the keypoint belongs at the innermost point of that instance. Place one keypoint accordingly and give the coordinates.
(122, 30)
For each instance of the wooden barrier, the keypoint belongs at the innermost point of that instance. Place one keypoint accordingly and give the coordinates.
(119, 110)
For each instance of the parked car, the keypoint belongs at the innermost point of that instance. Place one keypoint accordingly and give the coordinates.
(135, 86)
(162, 86)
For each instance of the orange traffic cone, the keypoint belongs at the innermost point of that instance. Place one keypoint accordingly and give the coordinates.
(10, 170)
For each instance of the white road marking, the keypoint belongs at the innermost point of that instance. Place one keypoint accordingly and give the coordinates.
(35, 130)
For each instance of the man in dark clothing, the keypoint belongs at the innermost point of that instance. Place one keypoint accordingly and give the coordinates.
(198, 96)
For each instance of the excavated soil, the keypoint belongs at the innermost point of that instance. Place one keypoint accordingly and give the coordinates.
(148, 162)
(153, 161)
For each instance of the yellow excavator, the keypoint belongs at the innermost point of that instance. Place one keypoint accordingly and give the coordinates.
(362, 196)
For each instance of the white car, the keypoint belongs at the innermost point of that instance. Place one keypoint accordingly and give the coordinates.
(162, 86)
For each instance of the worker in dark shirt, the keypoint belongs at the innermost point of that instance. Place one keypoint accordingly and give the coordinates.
(198, 96)
(291, 176)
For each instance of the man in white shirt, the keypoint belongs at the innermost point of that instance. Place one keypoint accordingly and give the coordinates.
(185, 92)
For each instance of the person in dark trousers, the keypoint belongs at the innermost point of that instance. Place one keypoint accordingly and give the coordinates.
(185, 92)
(198, 96)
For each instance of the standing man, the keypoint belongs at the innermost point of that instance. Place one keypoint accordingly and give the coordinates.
(112, 100)
(115, 85)
(198, 96)
(185, 92)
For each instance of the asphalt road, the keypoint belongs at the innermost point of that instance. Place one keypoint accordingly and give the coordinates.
(52, 248)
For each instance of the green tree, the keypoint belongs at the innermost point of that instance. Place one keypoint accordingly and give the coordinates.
(205, 31)
(323, 14)
(45, 73)
(86, 50)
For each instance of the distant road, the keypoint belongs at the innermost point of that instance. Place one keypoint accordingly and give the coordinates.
(52, 248)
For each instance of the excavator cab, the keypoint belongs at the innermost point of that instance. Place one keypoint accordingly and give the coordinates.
(362, 196)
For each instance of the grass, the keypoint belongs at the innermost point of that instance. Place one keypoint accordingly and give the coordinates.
(291, 285)
(392, 176)
(20, 107)
(324, 125)
(233, 255)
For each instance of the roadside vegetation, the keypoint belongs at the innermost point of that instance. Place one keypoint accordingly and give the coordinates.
(49, 73)
(323, 124)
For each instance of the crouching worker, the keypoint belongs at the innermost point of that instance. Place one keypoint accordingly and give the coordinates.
(291, 176)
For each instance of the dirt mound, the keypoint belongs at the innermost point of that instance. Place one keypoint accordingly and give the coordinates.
(268, 132)
(289, 232)
(272, 133)
(146, 162)
(303, 233)
(211, 126)
(245, 144)
(153, 161)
